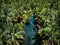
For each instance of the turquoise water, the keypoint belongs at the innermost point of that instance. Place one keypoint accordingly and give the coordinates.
(30, 31)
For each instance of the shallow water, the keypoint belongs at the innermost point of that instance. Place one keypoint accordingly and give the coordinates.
(30, 31)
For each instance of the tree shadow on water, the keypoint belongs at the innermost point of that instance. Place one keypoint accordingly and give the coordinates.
(38, 40)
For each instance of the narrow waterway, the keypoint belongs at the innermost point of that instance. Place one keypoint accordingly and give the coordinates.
(30, 31)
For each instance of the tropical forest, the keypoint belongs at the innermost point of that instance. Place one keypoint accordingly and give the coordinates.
(29, 22)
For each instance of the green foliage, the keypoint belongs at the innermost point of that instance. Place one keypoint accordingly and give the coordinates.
(49, 10)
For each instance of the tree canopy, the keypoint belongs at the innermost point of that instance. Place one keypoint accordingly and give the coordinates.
(15, 13)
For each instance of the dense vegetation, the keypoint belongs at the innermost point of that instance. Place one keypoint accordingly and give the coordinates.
(14, 14)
